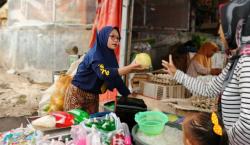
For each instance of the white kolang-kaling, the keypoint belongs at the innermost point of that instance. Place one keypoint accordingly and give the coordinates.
(169, 136)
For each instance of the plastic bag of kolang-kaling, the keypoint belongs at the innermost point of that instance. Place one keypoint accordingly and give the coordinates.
(105, 124)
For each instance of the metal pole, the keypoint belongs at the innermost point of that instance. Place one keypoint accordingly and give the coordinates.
(145, 13)
(54, 12)
(130, 24)
(124, 29)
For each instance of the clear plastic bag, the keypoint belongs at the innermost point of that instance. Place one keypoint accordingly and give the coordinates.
(94, 138)
(57, 97)
(78, 135)
(127, 134)
(93, 122)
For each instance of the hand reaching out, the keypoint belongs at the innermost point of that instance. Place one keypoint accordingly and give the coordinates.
(136, 67)
(169, 67)
(215, 71)
(133, 67)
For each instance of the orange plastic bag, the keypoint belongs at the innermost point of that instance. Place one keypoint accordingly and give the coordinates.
(57, 97)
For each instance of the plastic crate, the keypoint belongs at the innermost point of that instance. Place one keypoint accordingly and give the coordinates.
(108, 96)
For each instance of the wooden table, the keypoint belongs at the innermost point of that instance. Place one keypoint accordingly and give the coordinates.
(182, 106)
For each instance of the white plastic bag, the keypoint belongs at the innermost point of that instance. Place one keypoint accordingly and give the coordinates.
(78, 135)
(47, 121)
(94, 138)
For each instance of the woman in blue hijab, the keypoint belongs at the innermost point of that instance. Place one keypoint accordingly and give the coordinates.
(97, 72)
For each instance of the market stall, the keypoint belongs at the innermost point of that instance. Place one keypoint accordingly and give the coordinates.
(178, 28)
(157, 111)
(77, 127)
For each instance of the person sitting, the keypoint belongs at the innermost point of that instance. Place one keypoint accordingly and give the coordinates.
(201, 64)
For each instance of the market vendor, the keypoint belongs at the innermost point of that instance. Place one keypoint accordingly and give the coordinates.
(201, 64)
(97, 72)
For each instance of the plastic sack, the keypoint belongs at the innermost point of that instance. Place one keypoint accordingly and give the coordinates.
(57, 97)
(44, 104)
(73, 67)
(118, 139)
(105, 124)
(126, 134)
(47, 121)
(78, 135)
(63, 119)
(79, 115)
(94, 138)
(20, 136)
(122, 136)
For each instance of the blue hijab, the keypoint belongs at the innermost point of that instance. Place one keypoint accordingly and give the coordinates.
(88, 79)
(101, 52)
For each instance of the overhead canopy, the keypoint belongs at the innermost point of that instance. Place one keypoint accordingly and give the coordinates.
(108, 13)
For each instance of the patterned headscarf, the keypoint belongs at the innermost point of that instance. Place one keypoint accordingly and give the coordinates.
(202, 56)
(235, 20)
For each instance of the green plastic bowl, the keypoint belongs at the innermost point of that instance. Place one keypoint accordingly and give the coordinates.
(151, 122)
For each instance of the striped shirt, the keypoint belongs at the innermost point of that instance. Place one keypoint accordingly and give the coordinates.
(235, 100)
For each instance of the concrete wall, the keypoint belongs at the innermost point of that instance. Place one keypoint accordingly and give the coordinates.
(37, 51)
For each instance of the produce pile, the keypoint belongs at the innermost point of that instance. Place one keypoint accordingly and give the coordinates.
(163, 79)
(202, 102)
(170, 136)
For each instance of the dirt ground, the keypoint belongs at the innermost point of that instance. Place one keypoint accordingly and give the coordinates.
(19, 97)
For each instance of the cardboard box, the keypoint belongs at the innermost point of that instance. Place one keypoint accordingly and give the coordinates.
(160, 91)
(135, 81)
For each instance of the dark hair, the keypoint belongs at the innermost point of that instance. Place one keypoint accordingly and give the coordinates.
(117, 29)
(199, 128)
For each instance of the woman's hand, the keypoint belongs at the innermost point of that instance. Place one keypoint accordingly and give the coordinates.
(169, 67)
(135, 67)
(215, 71)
